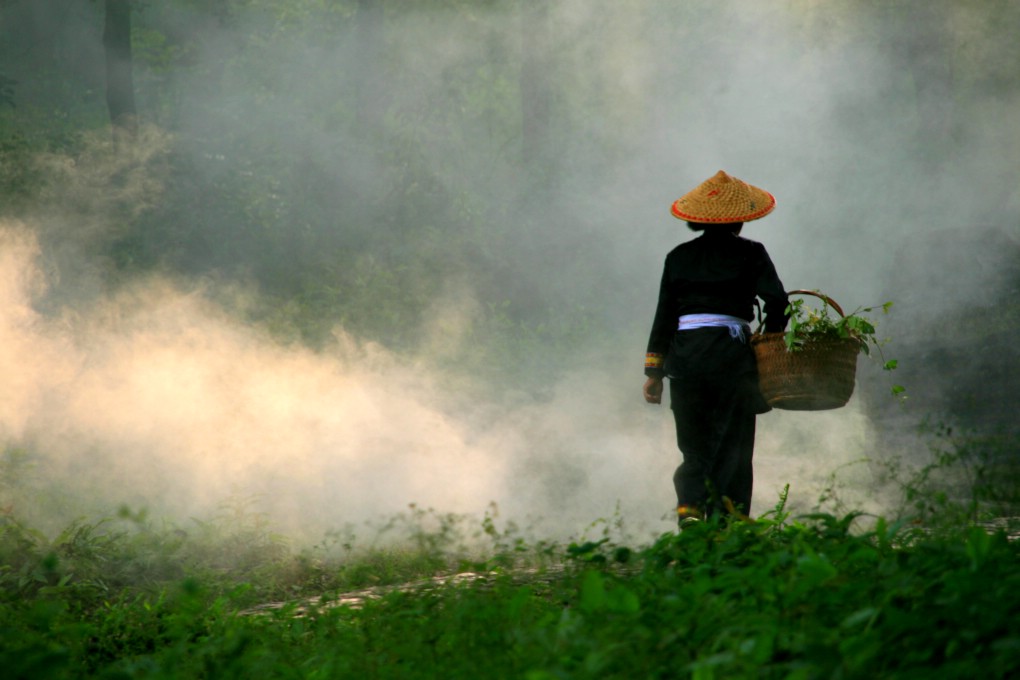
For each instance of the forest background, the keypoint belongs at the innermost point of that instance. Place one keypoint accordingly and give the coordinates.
(349, 256)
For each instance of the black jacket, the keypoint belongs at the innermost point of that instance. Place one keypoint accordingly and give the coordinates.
(715, 273)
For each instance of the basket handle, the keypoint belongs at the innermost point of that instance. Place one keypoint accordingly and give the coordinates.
(828, 300)
(799, 291)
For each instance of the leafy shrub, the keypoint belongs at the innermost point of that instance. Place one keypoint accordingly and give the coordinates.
(808, 324)
(781, 596)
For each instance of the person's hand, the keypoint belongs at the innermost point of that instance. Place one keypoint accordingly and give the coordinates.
(653, 390)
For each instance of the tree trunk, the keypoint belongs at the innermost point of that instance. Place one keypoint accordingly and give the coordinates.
(536, 97)
(368, 76)
(120, 89)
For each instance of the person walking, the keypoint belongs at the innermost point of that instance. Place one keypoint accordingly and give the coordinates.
(700, 340)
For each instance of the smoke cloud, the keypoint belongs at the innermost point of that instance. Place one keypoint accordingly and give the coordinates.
(157, 399)
(154, 392)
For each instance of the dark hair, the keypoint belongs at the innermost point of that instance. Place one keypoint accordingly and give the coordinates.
(732, 227)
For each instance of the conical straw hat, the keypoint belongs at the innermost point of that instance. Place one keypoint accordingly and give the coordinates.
(722, 199)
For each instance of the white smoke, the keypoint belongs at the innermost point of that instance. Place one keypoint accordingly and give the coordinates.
(154, 396)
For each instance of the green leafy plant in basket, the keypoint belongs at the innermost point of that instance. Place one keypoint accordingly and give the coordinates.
(808, 324)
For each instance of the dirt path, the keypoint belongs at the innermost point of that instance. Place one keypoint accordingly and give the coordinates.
(356, 598)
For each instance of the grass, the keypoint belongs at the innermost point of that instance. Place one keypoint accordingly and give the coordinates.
(816, 596)
(777, 597)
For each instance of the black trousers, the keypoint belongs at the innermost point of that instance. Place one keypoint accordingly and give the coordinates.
(715, 400)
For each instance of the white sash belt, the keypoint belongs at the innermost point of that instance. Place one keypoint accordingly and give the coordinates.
(738, 327)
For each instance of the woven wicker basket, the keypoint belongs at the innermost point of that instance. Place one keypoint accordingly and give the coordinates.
(817, 377)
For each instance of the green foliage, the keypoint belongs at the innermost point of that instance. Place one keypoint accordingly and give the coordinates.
(20, 176)
(967, 477)
(7, 90)
(809, 324)
(781, 596)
